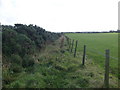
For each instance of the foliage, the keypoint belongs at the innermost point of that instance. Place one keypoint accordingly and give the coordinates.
(27, 61)
(22, 39)
(16, 59)
(19, 43)
(56, 69)
(15, 68)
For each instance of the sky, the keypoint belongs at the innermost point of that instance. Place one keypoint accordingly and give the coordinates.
(62, 15)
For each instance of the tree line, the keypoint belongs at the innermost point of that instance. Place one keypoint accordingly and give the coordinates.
(111, 31)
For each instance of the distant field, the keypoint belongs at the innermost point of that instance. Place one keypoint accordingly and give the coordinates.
(96, 44)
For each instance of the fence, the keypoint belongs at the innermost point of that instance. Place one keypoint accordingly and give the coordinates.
(106, 56)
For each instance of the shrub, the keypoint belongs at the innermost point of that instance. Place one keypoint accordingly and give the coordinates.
(28, 61)
(16, 59)
(30, 69)
(16, 68)
(16, 85)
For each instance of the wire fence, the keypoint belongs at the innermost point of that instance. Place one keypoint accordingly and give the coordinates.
(94, 50)
(106, 55)
(100, 53)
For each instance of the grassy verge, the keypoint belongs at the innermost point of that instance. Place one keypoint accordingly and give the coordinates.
(56, 67)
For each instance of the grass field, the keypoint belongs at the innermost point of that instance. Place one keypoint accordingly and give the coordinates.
(96, 44)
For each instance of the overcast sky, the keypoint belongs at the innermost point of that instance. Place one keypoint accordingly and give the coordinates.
(62, 15)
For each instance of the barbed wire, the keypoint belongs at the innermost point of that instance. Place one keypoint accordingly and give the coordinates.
(94, 50)
(100, 53)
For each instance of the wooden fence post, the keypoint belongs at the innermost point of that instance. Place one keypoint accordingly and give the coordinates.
(75, 48)
(84, 54)
(69, 44)
(72, 45)
(106, 79)
(62, 42)
(67, 40)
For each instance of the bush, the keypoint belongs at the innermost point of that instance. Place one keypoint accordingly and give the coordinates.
(16, 68)
(17, 85)
(16, 59)
(28, 61)
(30, 69)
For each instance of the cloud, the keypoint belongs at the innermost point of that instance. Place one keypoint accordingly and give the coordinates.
(61, 15)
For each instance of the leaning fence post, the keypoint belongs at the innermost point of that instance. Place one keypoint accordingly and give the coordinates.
(106, 79)
(72, 45)
(75, 48)
(84, 54)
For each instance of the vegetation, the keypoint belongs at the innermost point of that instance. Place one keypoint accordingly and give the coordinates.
(35, 58)
(96, 44)
(20, 42)
(56, 67)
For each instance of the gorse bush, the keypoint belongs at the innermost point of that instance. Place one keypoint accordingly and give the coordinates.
(22, 39)
(15, 68)
(27, 61)
(19, 43)
(16, 59)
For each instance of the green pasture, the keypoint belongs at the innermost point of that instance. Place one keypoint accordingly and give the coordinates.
(96, 44)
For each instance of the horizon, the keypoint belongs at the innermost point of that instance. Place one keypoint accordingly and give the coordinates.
(63, 31)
